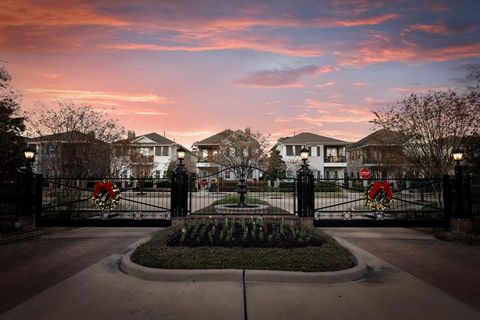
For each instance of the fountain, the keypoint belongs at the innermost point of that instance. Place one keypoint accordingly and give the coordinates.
(241, 207)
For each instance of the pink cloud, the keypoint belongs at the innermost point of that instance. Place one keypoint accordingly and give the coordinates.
(281, 78)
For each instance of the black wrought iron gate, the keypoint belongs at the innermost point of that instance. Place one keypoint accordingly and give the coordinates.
(413, 203)
(69, 202)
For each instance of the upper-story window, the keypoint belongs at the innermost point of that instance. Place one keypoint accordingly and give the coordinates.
(204, 153)
(165, 151)
(318, 152)
(298, 148)
(335, 154)
(289, 150)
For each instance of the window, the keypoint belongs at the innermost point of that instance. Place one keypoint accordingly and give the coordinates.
(289, 174)
(157, 174)
(158, 151)
(318, 152)
(227, 175)
(165, 151)
(289, 150)
(297, 150)
(204, 153)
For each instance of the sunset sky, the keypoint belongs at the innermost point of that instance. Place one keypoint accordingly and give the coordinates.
(193, 68)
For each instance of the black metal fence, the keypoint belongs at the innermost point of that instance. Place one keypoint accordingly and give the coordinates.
(141, 202)
(408, 202)
(18, 199)
(213, 195)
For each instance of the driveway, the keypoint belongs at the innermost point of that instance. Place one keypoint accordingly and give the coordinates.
(31, 266)
(451, 267)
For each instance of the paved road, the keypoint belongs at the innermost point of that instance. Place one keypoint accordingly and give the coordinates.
(31, 266)
(102, 291)
(451, 267)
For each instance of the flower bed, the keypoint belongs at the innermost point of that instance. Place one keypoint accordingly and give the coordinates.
(245, 233)
(244, 244)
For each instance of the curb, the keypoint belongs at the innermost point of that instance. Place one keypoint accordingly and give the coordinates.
(346, 275)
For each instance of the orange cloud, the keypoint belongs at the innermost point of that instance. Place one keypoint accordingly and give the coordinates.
(106, 97)
(26, 13)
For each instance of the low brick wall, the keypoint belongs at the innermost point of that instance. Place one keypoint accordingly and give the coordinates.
(200, 218)
(461, 225)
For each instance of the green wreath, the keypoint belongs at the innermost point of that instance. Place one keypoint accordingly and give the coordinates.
(105, 195)
(379, 196)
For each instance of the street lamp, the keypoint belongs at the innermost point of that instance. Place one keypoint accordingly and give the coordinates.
(181, 154)
(305, 187)
(304, 155)
(457, 156)
(29, 154)
(30, 157)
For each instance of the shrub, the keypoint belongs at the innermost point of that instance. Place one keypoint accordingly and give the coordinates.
(245, 233)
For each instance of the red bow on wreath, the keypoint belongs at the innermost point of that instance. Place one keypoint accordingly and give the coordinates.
(377, 186)
(104, 186)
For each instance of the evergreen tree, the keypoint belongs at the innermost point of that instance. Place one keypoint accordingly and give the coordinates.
(11, 127)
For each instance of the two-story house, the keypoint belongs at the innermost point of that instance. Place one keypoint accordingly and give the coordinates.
(380, 152)
(70, 154)
(207, 148)
(147, 155)
(327, 156)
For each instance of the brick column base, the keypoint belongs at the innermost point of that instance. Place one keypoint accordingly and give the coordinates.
(461, 225)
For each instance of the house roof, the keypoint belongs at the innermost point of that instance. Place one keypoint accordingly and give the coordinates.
(155, 137)
(380, 137)
(307, 137)
(69, 136)
(215, 139)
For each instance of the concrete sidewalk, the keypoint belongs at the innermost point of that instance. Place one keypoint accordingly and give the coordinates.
(103, 292)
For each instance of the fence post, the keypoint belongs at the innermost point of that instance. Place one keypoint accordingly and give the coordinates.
(467, 183)
(179, 191)
(305, 192)
(38, 199)
(447, 199)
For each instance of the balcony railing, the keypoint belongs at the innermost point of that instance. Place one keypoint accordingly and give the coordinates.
(335, 159)
(141, 158)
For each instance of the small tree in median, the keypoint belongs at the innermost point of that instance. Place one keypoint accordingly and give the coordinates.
(241, 149)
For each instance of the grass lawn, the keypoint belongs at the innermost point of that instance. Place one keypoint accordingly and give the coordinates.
(216, 246)
(234, 199)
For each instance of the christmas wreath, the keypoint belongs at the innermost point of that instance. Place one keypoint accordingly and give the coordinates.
(105, 195)
(379, 196)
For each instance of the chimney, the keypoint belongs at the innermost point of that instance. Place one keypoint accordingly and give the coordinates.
(130, 134)
(164, 134)
(294, 133)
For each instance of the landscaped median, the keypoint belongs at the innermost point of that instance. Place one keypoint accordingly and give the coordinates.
(221, 249)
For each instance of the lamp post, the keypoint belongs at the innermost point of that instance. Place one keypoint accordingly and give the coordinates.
(458, 156)
(179, 184)
(305, 187)
(30, 158)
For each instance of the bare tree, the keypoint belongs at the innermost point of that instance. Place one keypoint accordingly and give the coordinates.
(240, 150)
(434, 124)
(75, 140)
